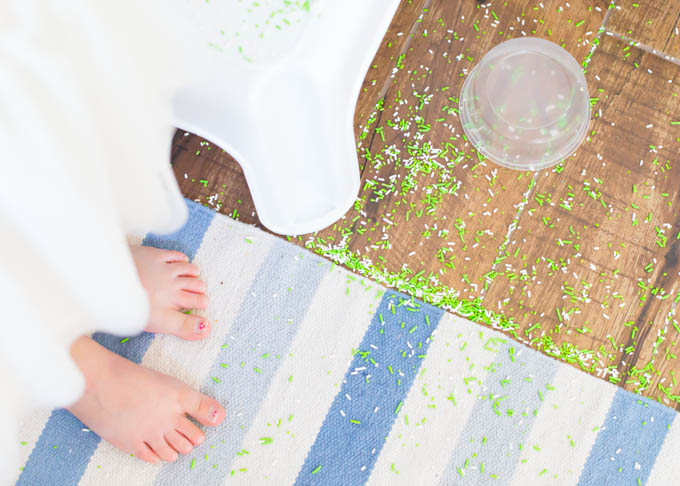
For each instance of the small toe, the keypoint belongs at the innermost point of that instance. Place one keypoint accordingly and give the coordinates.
(204, 409)
(187, 326)
(191, 284)
(190, 300)
(189, 430)
(178, 442)
(185, 269)
(145, 453)
(172, 256)
(163, 450)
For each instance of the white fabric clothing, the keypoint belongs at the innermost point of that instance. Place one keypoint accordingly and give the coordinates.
(85, 136)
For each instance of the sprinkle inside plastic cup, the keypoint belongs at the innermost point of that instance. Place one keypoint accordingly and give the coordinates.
(526, 104)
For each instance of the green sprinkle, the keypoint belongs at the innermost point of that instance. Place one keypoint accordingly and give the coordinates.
(396, 410)
(580, 23)
(124, 340)
(266, 440)
(216, 379)
(318, 468)
(355, 421)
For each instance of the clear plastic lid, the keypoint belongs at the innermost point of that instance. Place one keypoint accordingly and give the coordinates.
(526, 105)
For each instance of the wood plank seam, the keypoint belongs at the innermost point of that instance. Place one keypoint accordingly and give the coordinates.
(388, 82)
(513, 226)
(644, 47)
(670, 34)
(663, 280)
(384, 87)
(527, 195)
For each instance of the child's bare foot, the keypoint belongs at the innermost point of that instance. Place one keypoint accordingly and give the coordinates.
(172, 284)
(139, 410)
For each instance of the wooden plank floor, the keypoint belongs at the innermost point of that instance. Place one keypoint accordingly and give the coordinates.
(580, 261)
(654, 23)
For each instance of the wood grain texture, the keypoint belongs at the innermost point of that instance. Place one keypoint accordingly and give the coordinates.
(655, 23)
(595, 254)
(447, 214)
(397, 40)
(565, 253)
(209, 175)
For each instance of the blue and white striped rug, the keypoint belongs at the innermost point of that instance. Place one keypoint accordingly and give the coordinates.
(330, 379)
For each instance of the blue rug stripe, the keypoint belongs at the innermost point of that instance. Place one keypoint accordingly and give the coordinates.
(74, 448)
(498, 428)
(267, 322)
(361, 416)
(61, 454)
(187, 239)
(627, 445)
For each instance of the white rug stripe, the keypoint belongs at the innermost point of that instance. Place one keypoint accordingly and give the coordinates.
(224, 258)
(112, 467)
(665, 470)
(293, 411)
(573, 411)
(318, 354)
(417, 454)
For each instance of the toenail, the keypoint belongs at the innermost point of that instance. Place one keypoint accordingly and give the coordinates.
(200, 327)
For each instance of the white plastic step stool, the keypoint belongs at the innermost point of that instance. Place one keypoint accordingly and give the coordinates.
(281, 100)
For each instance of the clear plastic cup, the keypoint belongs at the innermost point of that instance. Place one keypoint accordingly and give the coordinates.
(526, 105)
